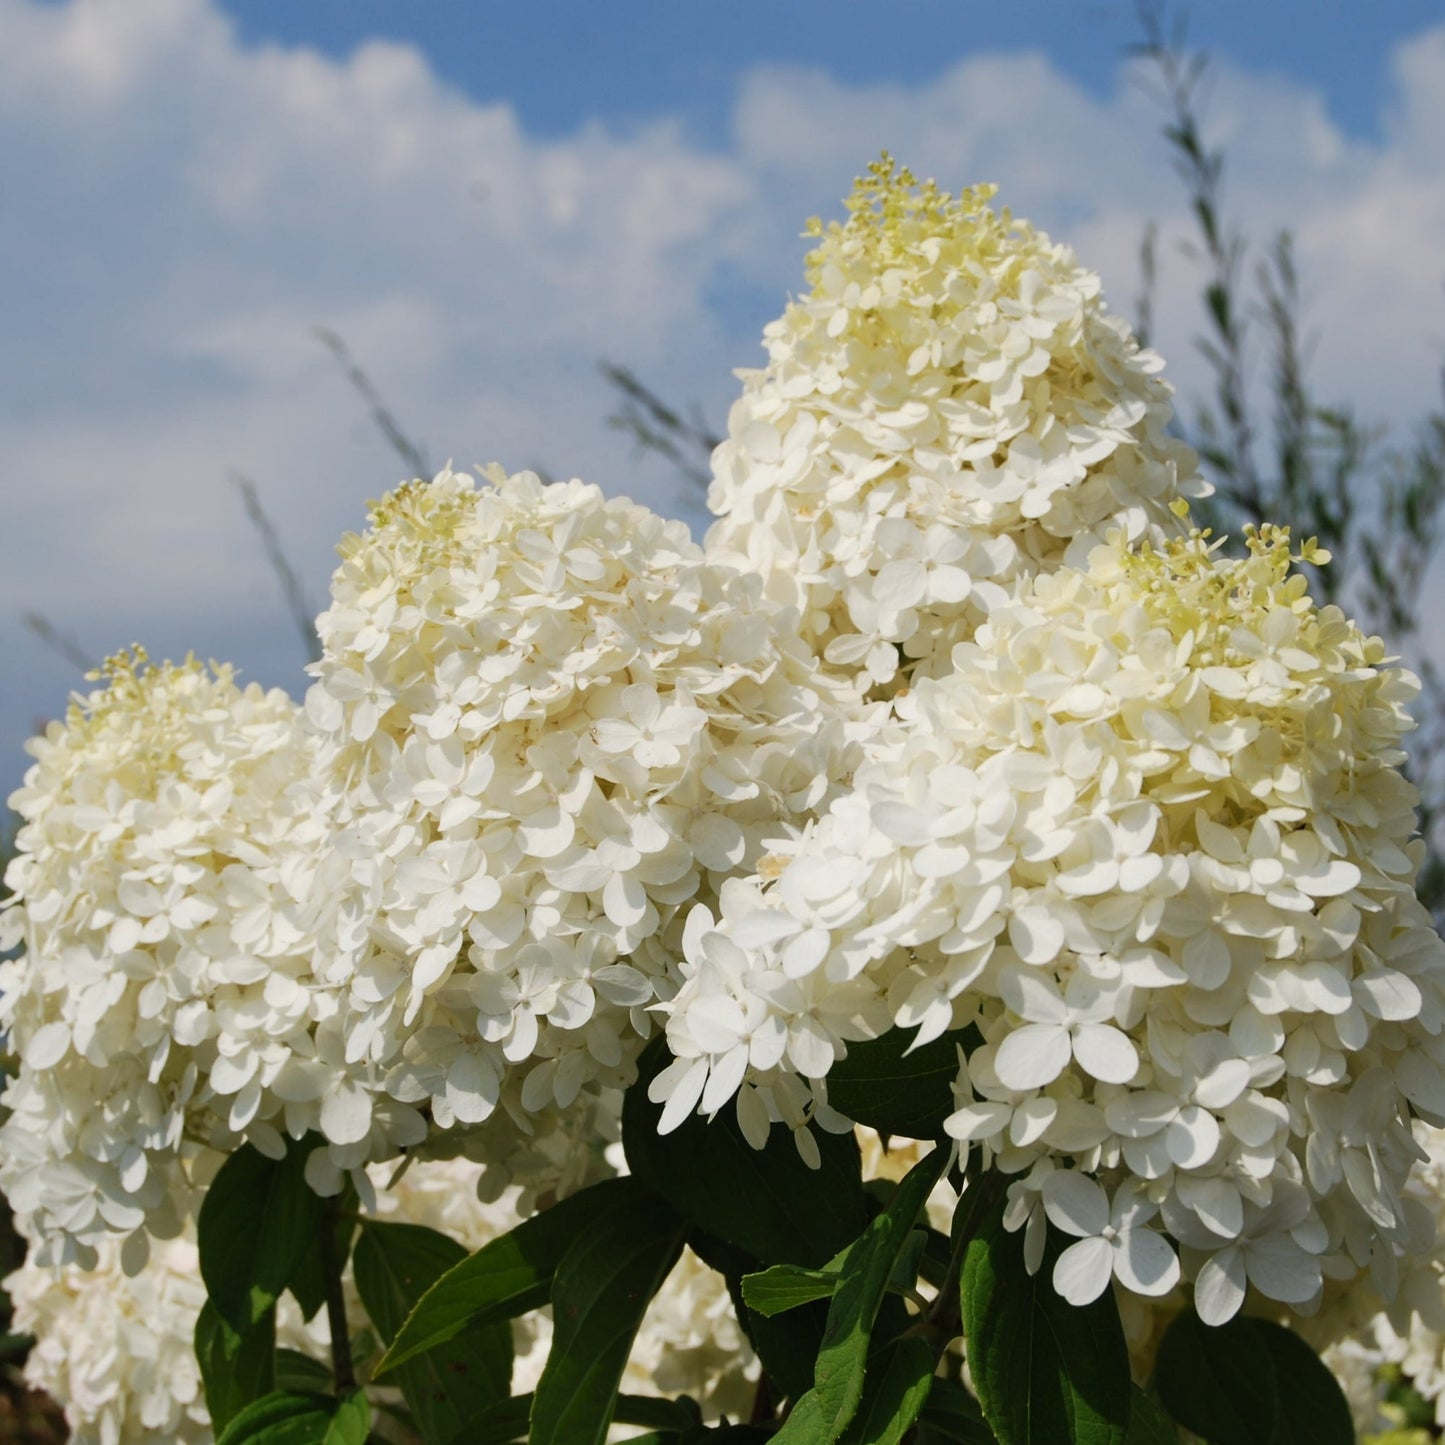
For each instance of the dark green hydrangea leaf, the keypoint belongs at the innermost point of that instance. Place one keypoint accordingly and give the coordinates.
(767, 1202)
(258, 1221)
(508, 1276)
(1047, 1372)
(1249, 1382)
(455, 1380)
(882, 1085)
(600, 1292)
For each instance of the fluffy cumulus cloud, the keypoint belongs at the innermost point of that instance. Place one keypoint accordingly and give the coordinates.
(188, 208)
(193, 209)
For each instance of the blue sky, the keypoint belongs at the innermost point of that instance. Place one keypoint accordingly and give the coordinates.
(564, 63)
(487, 199)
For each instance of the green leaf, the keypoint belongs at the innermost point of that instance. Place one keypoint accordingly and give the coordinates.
(716, 1435)
(933, 1262)
(258, 1220)
(765, 1201)
(1249, 1381)
(1148, 1424)
(910, 1260)
(507, 1277)
(951, 1413)
(862, 1283)
(1317, 1412)
(352, 1422)
(787, 1346)
(883, 1086)
(308, 1279)
(301, 1418)
(599, 1294)
(785, 1287)
(499, 1424)
(446, 1386)
(506, 1420)
(1216, 1381)
(897, 1383)
(807, 1422)
(235, 1368)
(673, 1417)
(295, 1371)
(1047, 1372)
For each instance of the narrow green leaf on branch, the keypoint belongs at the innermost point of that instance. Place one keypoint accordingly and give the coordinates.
(908, 1264)
(453, 1381)
(675, 1417)
(895, 1388)
(823, 1414)
(235, 1368)
(507, 1277)
(1047, 1372)
(257, 1222)
(295, 1371)
(299, 1418)
(600, 1292)
(785, 1287)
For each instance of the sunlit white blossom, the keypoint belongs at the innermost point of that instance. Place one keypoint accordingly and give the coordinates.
(164, 992)
(1150, 840)
(549, 725)
(948, 408)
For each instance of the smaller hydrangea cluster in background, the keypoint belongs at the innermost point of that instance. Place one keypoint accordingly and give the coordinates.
(171, 840)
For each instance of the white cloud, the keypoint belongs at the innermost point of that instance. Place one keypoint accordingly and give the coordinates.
(1096, 171)
(183, 211)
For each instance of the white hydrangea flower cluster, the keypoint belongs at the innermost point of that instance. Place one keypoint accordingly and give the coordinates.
(1356, 1335)
(1149, 838)
(690, 1343)
(115, 1349)
(165, 983)
(949, 408)
(549, 725)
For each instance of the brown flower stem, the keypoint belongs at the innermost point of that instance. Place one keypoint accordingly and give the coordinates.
(343, 1371)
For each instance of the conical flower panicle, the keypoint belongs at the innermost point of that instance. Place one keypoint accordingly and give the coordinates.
(170, 835)
(949, 408)
(550, 724)
(1150, 837)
